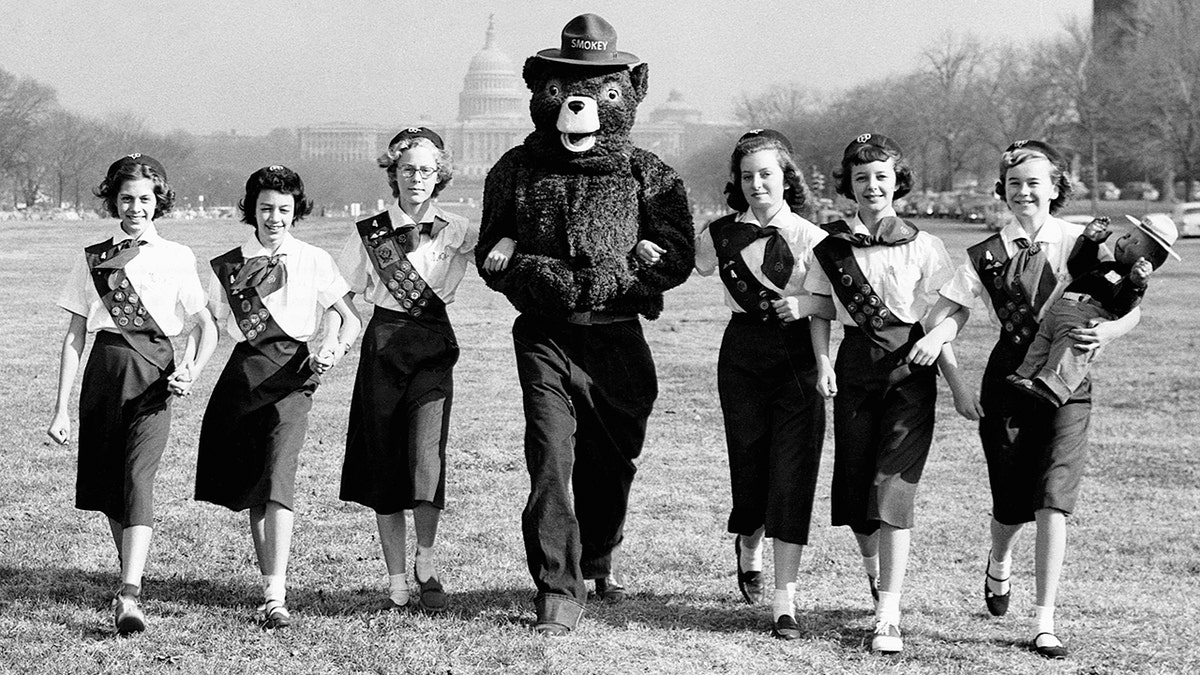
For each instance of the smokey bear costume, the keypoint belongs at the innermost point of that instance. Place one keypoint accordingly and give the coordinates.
(576, 197)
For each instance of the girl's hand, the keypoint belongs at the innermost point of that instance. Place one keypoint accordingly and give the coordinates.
(501, 254)
(327, 358)
(180, 381)
(966, 402)
(1098, 333)
(826, 382)
(60, 428)
(787, 308)
(925, 351)
(649, 252)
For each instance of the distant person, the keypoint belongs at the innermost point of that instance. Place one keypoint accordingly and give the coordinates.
(1035, 453)
(134, 290)
(271, 294)
(885, 275)
(407, 261)
(766, 371)
(1105, 286)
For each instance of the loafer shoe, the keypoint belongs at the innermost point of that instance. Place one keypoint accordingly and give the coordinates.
(609, 589)
(127, 616)
(750, 582)
(886, 639)
(432, 597)
(1048, 645)
(997, 605)
(275, 615)
(786, 628)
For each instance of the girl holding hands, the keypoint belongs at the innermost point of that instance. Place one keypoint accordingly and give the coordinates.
(270, 293)
(135, 291)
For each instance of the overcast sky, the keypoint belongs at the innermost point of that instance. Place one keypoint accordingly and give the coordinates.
(252, 65)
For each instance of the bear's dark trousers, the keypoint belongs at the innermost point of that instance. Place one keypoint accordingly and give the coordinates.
(588, 391)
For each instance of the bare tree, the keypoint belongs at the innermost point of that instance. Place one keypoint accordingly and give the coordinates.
(951, 99)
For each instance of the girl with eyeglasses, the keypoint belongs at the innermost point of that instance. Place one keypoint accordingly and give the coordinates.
(407, 261)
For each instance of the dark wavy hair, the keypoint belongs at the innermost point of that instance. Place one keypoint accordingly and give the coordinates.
(280, 179)
(1021, 152)
(390, 158)
(865, 154)
(110, 187)
(795, 192)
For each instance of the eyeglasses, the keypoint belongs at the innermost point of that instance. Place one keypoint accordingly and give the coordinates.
(408, 171)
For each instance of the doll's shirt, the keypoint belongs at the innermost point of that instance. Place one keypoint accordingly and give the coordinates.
(440, 258)
(906, 277)
(313, 285)
(163, 274)
(800, 235)
(1056, 237)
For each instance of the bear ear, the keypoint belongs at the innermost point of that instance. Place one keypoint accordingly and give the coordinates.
(639, 76)
(534, 72)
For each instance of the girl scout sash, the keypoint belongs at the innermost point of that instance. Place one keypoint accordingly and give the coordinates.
(835, 254)
(1018, 287)
(106, 263)
(730, 237)
(245, 282)
(387, 249)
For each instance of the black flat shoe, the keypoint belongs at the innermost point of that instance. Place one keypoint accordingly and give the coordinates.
(1052, 649)
(610, 590)
(275, 615)
(786, 628)
(750, 583)
(432, 597)
(997, 605)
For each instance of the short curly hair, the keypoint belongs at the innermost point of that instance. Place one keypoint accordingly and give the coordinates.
(391, 157)
(280, 179)
(1023, 151)
(795, 192)
(865, 154)
(110, 187)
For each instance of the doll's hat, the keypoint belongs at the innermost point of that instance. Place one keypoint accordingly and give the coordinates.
(418, 132)
(1161, 229)
(137, 158)
(589, 40)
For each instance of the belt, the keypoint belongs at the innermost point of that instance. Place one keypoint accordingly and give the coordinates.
(592, 318)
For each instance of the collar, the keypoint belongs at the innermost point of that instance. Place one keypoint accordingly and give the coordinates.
(253, 248)
(149, 235)
(858, 227)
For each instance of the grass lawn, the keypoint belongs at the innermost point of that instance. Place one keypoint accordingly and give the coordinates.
(1128, 600)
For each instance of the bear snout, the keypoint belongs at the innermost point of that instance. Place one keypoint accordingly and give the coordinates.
(578, 115)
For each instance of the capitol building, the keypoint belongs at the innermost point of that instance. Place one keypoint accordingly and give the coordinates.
(493, 116)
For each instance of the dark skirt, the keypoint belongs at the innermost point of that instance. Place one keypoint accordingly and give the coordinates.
(1035, 453)
(400, 412)
(774, 426)
(253, 429)
(124, 421)
(882, 429)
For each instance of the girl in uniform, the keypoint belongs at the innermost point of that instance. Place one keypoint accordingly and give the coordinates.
(774, 425)
(407, 261)
(885, 275)
(134, 290)
(1035, 453)
(271, 293)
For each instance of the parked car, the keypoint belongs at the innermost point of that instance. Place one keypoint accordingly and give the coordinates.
(997, 216)
(1187, 217)
(975, 208)
(1140, 190)
(1107, 191)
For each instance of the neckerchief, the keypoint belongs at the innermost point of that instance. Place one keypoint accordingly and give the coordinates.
(891, 231)
(106, 263)
(262, 273)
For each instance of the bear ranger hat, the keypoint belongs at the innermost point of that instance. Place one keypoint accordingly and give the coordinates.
(588, 40)
(1160, 228)
(137, 158)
